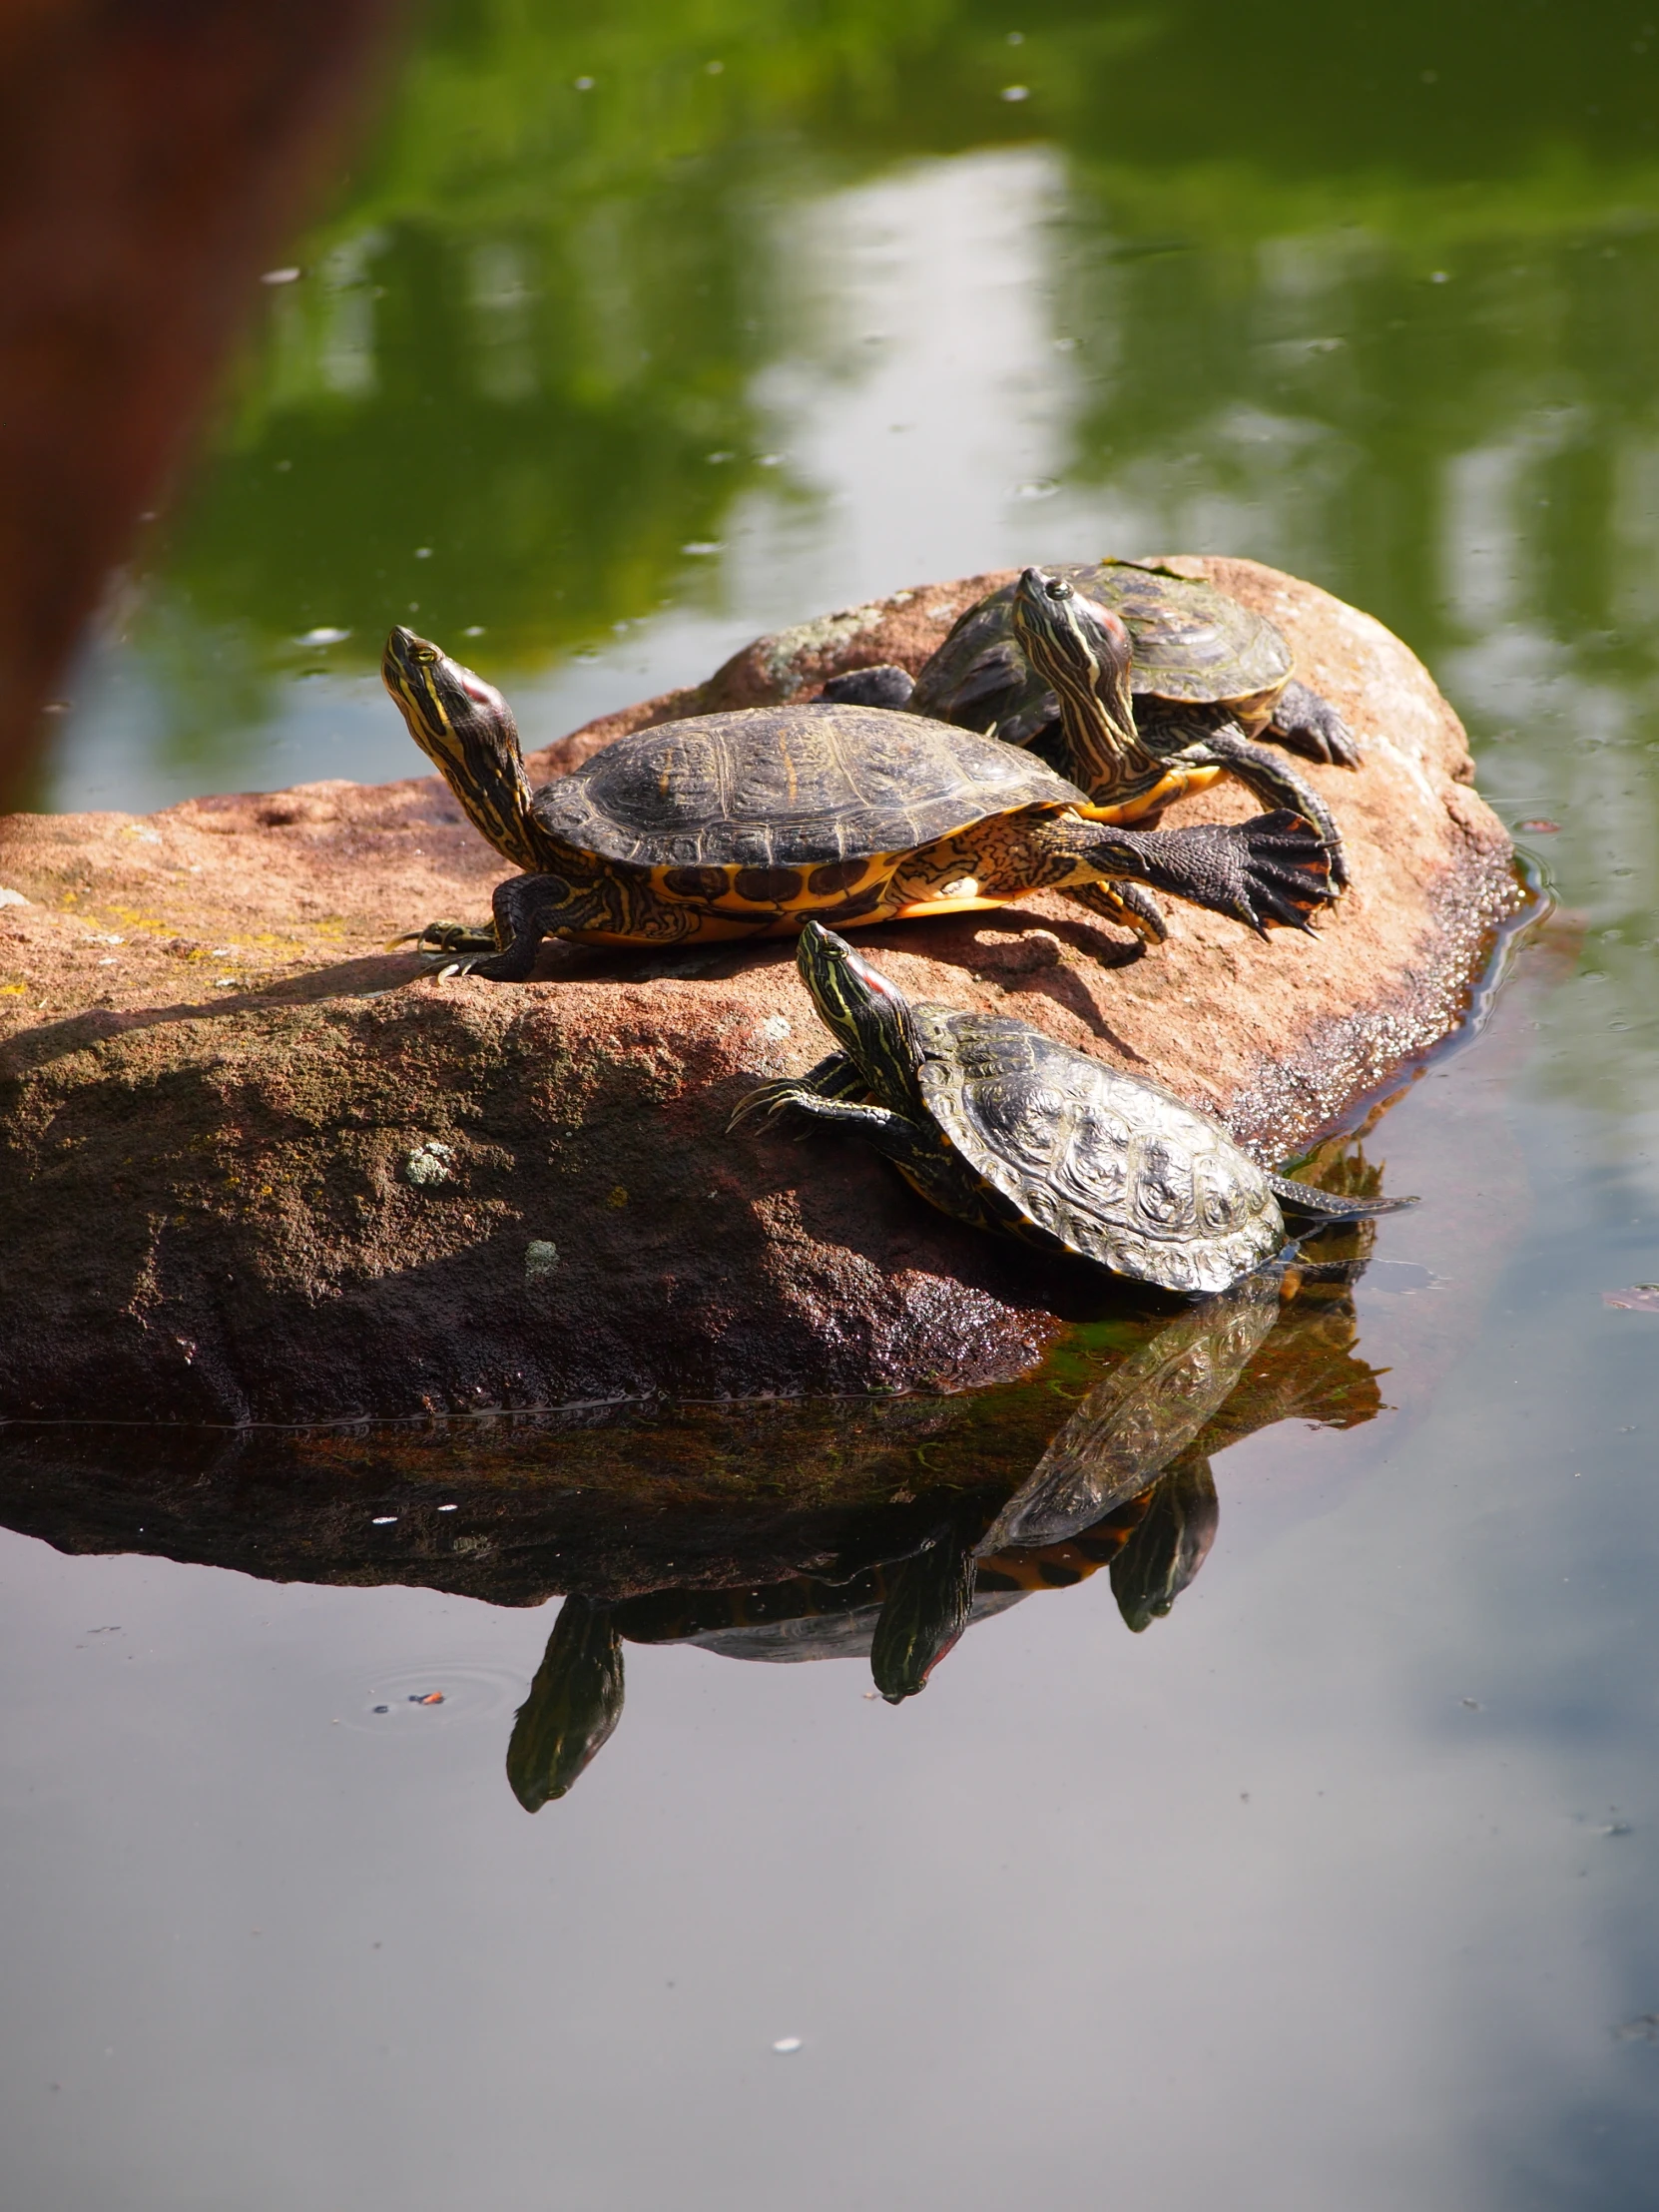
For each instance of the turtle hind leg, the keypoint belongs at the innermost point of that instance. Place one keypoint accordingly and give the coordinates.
(1307, 1209)
(1271, 869)
(1308, 724)
(1221, 744)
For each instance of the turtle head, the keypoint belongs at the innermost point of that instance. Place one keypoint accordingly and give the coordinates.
(869, 1017)
(1083, 651)
(467, 728)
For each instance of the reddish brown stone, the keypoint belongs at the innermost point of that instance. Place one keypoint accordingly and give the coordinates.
(259, 1167)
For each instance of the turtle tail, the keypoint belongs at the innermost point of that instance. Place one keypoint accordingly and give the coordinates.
(1306, 1209)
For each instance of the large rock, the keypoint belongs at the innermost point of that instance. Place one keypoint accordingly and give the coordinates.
(260, 1168)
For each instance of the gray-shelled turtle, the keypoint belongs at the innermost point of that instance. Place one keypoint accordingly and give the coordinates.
(1001, 1126)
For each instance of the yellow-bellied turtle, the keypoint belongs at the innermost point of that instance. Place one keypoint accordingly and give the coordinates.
(1005, 1128)
(744, 824)
(1208, 678)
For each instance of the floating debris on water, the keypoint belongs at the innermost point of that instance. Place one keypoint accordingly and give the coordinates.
(1641, 1297)
(787, 2044)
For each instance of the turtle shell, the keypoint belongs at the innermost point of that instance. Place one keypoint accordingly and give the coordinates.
(789, 787)
(1191, 642)
(1108, 1165)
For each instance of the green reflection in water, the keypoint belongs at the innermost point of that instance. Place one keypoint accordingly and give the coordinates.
(1371, 297)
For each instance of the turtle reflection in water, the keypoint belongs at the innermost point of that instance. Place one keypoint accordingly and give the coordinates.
(999, 1125)
(1123, 1485)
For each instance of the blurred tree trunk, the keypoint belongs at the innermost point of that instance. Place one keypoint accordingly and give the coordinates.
(155, 157)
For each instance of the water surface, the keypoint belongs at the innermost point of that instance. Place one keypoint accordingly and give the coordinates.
(1334, 1886)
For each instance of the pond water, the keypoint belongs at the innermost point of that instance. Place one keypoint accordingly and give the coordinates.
(1334, 1886)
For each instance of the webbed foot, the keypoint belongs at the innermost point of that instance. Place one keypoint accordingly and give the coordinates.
(1274, 867)
(1277, 785)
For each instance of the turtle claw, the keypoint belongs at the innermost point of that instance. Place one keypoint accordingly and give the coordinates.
(1310, 725)
(765, 1103)
(1290, 871)
(1275, 868)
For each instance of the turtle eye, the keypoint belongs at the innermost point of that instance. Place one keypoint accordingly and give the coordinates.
(1057, 588)
(426, 655)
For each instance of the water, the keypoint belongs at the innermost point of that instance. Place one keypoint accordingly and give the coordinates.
(1334, 1886)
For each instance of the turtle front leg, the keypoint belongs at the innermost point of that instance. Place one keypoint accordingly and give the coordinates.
(915, 1148)
(530, 907)
(895, 1135)
(837, 1076)
(449, 939)
(1310, 725)
(1224, 746)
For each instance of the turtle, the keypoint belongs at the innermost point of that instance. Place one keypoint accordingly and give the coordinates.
(1209, 677)
(738, 825)
(1005, 1128)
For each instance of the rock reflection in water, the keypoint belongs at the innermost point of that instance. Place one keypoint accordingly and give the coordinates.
(1125, 1483)
(784, 1529)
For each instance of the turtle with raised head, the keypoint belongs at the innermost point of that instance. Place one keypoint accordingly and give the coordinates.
(1207, 679)
(1004, 1127)
(744, 824)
